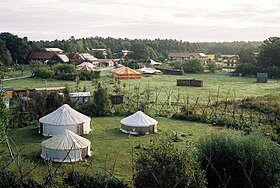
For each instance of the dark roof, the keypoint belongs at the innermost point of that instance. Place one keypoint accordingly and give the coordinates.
(41, 55)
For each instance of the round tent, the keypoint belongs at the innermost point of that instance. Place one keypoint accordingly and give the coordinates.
(126, 73)
(64, 118)
(139, 123)
(67, 147)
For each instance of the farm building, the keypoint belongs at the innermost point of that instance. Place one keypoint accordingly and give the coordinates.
(106, 62)
(64, 118)
(66, 147)
(8, 94)
(78, 58)
(139, 123)
(187, 56)
(126, 73)
(40, 56)
(80, 96)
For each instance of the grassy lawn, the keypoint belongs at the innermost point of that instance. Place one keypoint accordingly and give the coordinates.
(109, 145)
(237, 87)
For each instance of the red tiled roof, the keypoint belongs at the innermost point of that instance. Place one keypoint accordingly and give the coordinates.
(40, 55)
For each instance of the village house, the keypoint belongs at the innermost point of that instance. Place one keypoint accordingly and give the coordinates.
(78, 58)
(229, 60)
(106, 62)
(184, 56)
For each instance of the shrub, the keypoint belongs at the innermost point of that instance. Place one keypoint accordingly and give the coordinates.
(64, 72)
(97, 180)
(247, 69)
(43, 72)
(101, 101)
(212, 67)
(193, 66)
(239, 161)
(9, 179)
(85, 75)
(161, 164)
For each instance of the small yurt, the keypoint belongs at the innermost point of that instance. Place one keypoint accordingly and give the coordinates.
(64, 118)
(67, 147)
(139, 124)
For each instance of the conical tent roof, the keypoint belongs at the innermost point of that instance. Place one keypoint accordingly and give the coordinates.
(126, 72)
(139, 119)
(66, 141)
(64, 115)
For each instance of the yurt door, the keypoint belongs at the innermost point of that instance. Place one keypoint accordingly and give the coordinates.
(80, 128)
(41, 128)
(151, 129)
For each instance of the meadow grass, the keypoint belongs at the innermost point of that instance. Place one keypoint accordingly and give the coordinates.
(110, 147)
(214, 84)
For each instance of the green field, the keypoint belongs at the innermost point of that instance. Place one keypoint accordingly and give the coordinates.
(222, 83)
(109, 145)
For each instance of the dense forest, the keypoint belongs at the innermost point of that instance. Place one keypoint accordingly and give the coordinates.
(15, 50)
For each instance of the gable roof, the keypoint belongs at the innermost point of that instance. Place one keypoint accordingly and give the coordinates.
(139, 119)
(64, 115)
(63, 58)
(88, 56)
(40, 55)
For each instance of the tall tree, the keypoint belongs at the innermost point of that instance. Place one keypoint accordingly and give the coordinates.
(246, 55)
(270, 52)
(18, 47)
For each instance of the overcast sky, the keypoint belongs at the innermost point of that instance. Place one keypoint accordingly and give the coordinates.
(195, 21)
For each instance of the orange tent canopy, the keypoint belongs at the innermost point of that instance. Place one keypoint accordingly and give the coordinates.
(126, 73)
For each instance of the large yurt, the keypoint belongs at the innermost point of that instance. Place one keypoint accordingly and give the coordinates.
(64, 118)
(126, 73)
(139, 124)
(66, 147)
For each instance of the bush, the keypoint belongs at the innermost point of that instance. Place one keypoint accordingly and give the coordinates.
(9, 179)
(64, 72)
(97, 180)
(101, 101)
(239, 161)
(161, 164)
(86, 75)
(193, 66)
(43, 72)
(247, 69)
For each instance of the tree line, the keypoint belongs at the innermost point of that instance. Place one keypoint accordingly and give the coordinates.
(15, 50)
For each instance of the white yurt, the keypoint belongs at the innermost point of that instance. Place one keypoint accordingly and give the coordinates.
(139, 123)
(64, 118)
(67, 147)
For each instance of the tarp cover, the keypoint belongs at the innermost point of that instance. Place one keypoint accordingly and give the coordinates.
(149, 70)
(139, 119)
(66, 141)
(87, 64)
(64, 115)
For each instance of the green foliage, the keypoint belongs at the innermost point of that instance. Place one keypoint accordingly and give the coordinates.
(53, 101)
(9, 179)
(140, 51)
(270, 52)
(247, 69)
(101, 101)
(193, 66)
(64, 72)
(212, 67)
(231, 160)
(86, 75)
(18, 47)
(43, 72)
(5, 55)
(97, 180)
(4, 120)
(246, 55)
(161, 164)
